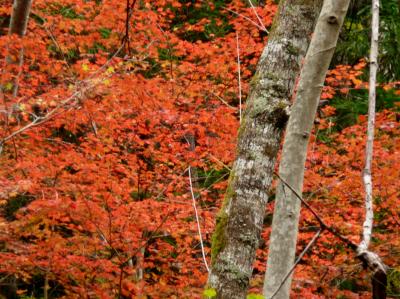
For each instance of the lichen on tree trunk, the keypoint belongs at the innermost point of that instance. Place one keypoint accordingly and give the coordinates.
(240, 221)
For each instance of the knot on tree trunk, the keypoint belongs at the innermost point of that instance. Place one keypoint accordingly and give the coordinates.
(373, 262)
(333, 19)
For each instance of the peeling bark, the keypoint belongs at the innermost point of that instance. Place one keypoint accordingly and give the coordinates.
(367, 175)
(287, 206)
(240, 221)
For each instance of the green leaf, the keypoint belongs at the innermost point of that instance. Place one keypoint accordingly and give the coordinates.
(255, 296)
(105, 32)
(210, 293)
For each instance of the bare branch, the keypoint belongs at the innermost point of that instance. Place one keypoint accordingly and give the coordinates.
(370, 259)
(87, 85)
(258, 17)
(246, 18)
(197, 220)
(322, 223)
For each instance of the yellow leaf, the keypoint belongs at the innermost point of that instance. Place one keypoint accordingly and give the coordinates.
(13, 194)
(110, 70)
(85, 67)
(356, 81)
(8, 86)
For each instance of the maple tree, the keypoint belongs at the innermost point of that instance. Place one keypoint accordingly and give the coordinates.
(95, 149)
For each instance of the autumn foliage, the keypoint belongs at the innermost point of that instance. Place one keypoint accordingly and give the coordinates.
(94, 187)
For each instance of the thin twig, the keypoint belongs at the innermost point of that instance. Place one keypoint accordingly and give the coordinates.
(222, 100)
(40, 120)
(55, 42)
(160, 194)
(220, 162)
(129, 12)
(246, 18)
(309, 245)
(197, 220)
(322, 223)
(258, 17)
(149, 238)
(20, 66)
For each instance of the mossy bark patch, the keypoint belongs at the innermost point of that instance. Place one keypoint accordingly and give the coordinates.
(239, 224)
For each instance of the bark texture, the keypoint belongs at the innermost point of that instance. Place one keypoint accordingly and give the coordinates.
(19, 17)
(240, 221)
(18, 25)
(287, 206)
(370, 259)
(367, 175)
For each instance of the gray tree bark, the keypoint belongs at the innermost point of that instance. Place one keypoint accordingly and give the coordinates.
(287, 206)
(18, 25)
(240, 221)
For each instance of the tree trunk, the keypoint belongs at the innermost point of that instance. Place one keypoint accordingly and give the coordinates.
(240, 221)
(370, 259)
(18, 25)
(287, 206)
(19, 17)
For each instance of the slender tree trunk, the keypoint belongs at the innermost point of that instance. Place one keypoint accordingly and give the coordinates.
(46, 286)
(18, 25)
(287, 207)
(240, 221)
(19, 17)
(378, 268)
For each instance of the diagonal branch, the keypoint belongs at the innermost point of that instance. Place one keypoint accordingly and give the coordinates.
(308, 247)
(369, 259)
(322, 223)
(257, 16)
(262, 28)
(83, 87)
(197, 220)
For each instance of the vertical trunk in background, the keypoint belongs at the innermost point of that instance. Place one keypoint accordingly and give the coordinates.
(375, 264)
(18, 25)
(240, 221)
(287, 206)
(19, 17)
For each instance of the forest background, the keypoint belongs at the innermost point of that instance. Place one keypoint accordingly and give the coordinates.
(116, 101)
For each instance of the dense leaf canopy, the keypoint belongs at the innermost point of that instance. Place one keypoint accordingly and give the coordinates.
(115, 104)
